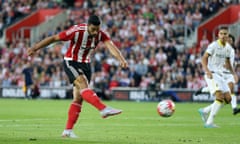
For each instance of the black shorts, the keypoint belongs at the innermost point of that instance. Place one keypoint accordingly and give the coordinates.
(73, 69)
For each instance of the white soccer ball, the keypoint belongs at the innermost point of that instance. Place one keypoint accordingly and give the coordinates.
(166, 108)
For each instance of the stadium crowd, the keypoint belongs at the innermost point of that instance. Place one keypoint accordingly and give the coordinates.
(150, 34)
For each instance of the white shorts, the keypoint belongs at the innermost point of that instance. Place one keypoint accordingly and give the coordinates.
(229, 78)
(217, 83)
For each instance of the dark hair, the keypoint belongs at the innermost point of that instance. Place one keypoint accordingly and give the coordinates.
(223, 28)
(232, 37)
(94, 20)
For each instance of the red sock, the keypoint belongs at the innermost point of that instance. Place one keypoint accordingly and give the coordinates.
(91, 97)
(73, 113)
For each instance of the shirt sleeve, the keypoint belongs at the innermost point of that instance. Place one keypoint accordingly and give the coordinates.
(210, 49)
(104, 36)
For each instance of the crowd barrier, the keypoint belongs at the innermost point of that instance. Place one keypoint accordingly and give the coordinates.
(138, 94)
(180, 95)
(117, 93)
(45, 92)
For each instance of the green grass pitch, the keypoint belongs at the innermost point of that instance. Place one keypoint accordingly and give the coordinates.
(42, 122)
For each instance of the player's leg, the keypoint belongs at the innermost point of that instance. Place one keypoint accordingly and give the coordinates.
(31, 87)
(216, 106)
(27, 92)
(222, 96)
(87, 94)
(227, 97)
(72, 70)
(205, 89)
(79, 74)
(216, 86)
(234, 99)
(207, 109)
(204, 112)
(25, 89)
(91, 97)
(211, 88)
(73, 114)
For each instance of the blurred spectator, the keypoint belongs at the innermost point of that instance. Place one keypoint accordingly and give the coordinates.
(28, 80)
(196, 18)
(189, 20)
(204, 42)
(148, 33)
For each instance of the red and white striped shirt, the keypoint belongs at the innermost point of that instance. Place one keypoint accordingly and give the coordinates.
(81, 45)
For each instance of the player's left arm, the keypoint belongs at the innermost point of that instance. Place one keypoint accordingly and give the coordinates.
(229, 65)
(116, 53)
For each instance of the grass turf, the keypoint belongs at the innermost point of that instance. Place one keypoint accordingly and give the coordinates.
(42, 122)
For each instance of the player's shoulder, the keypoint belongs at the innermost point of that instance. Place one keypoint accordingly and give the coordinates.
(103, 31)
(229, 47)
(213, 44)
(82, 26)
(76, 28)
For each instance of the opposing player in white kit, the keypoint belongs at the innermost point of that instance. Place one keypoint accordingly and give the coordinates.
(230, 78)
(231, 82)
(214, 61)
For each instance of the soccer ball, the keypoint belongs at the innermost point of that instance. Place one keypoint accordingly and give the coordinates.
(166, 108)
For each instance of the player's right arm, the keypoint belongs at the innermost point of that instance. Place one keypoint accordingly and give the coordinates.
(205, 65)
(209, 51)
(43, 43)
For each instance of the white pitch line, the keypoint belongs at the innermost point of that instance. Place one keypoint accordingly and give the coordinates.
(47, 119)
(84, 124)
(102, 125)
(19, 120)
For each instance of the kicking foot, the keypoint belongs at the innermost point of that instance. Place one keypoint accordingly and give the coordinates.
(68, 134)
(236, 111)
(108, 111)
(203, 115)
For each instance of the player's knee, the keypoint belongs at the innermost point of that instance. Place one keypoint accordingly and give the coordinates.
(81, 82)
(219, 96)
(76, 83)
(228, 98)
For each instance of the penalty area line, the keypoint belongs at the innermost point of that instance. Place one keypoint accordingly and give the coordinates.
(34, 119)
